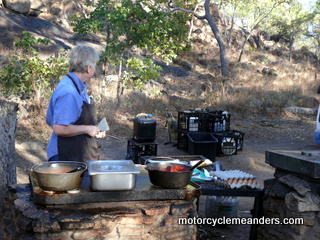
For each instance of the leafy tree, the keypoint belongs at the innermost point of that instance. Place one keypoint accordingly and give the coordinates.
(292, 20)
(138, 23)
(207, 16)
(258, 11)
(312, 33)
(234, 10)
(140, 72)
(28, 74)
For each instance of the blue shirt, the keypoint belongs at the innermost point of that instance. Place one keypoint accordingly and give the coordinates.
(65, 107)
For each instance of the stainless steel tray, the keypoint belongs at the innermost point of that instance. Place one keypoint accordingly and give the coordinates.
(112, 167)
(112, 175)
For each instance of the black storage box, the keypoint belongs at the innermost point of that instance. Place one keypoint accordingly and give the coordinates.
(137, 149)
(182, 140)
(229, 142)
(192, 121)
(202, 143)
(144, 128)
(218, 121)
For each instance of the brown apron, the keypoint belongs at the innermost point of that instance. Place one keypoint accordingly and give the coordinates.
(81, 147)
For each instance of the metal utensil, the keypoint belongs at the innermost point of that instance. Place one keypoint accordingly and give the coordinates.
(75, 169)
(103, 125)
(196, 165)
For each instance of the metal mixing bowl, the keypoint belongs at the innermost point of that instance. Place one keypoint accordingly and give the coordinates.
(54, 176)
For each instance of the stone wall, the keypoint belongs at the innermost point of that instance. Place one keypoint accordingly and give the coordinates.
(22, 219)
(8, 122)
(292, 196)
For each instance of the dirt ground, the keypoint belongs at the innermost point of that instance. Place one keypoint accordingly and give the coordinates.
(261, 134)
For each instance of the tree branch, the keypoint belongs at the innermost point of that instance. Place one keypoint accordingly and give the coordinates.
(174, 8)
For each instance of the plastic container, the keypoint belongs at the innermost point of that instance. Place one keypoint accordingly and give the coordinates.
(204, 144)
(221, 206)
(192, 121)
(317, 130)
(193, 124)
(144, 128)
(218, 121)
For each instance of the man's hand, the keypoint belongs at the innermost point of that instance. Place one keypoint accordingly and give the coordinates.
(101, 134)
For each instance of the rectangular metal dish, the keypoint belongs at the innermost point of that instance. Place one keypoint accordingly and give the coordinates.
(112, 175)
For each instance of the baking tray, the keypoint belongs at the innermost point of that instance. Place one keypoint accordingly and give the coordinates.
(144, 191)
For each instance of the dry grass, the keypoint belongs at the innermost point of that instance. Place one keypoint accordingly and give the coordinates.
(245, 91)
(250, 91)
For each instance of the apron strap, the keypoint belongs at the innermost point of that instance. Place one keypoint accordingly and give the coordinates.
(74, 83)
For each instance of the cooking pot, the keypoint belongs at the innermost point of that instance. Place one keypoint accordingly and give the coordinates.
(167, 179)
(60, 175)
(161, 159)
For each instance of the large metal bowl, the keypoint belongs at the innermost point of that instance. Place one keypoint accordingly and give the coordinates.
(56, 176)
(168, 179)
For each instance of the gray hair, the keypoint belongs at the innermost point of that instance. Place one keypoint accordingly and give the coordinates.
(81, 57)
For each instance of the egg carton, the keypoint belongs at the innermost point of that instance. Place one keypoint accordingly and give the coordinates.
(235, 179)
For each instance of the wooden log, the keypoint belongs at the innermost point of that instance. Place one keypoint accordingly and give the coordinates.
(8, 123)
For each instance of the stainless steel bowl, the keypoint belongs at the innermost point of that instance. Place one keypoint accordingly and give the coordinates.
(168, 179)
(56, 176)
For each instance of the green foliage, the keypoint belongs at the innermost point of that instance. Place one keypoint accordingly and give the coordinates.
(13, 77)
(30, 74)
(140, 72)
(135, 23)
(291, 19)
(311, 37)
(29, 43)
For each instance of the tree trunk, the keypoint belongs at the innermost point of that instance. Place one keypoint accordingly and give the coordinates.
(290, 47)
(317, 64)
(119, 86)
(8, 122)
(215, 30)
(242, 47)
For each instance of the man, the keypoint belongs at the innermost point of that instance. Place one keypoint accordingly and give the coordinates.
(71, 112)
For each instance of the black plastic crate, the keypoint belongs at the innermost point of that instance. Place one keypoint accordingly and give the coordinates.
(182, 140)
(229, 142)
(218, 121)
(192, 121)
(203, 143)
(137, 149)
(240, 138)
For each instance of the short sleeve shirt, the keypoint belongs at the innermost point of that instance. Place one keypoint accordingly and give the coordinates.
(65, 107)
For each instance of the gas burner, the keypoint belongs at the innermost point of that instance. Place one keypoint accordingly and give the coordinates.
(48, 192)
(76, 190)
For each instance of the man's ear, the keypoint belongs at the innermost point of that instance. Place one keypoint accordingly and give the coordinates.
(87, 71)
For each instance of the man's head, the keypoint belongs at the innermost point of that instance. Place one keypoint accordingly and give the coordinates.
(81, 57)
